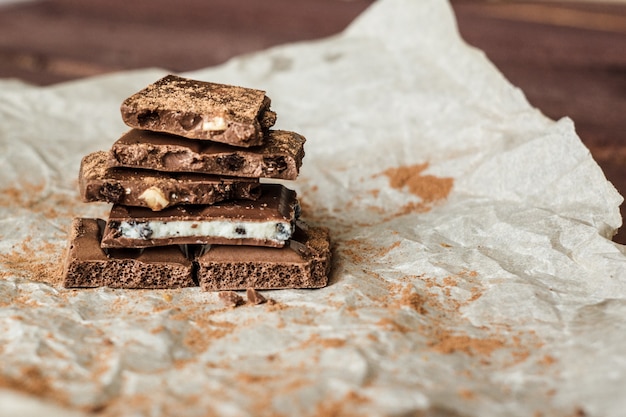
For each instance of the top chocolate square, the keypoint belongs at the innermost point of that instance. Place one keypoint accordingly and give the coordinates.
(201, 110)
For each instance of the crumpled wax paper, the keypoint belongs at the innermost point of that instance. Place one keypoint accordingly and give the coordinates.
(473, 271)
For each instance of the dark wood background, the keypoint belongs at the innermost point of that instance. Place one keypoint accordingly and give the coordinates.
(568, 57)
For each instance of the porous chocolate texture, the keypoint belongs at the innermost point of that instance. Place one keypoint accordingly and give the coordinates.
(280, 157)
(155, 190)
(201, 110)
(87, 265)
(267, 221)
(303, 263)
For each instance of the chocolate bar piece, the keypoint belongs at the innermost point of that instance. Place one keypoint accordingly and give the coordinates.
(87, 265)
(201, 110)
(268, 221)
(303, 263)
(157, 190)
(280, 156)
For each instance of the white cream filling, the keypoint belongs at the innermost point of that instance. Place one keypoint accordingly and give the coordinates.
(269, 230)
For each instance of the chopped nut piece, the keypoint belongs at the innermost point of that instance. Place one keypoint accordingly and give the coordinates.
(155, 199)
(215, 124)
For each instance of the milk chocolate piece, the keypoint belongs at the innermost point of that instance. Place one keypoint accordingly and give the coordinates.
(157, 190)
(255, 297)
(303, 263)
(268, 221)
(231, 299)
(87, 265)
(280, 156)
(201, 110)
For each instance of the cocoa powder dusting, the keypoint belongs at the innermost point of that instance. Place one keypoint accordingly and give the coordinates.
(447, 342)
(467, 394)
(198, 339)
(392, 325)
(437, 301)
(361, 250)
(317, 340)
(351, 405)
(428, 187)
(412, 299)
(547, 360)
(35, 198)
(32, 381)
(39, 261)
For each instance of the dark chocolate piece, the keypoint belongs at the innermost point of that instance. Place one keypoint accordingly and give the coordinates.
(201, 110)
(268, 221)
(280, 156)
(303, 263)
(87, 265)
(157, 190)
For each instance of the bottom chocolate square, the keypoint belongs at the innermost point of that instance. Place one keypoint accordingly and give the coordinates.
(303, 263)
(87, 265)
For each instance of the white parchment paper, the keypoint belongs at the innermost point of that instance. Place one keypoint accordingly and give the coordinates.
(486, 286)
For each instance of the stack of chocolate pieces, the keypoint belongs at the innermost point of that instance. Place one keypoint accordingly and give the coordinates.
(188, 206)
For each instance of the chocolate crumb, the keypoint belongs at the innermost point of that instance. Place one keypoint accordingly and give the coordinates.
(255, 297)
(231, 298)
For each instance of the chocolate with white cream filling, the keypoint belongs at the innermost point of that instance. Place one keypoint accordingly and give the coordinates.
(268, 221)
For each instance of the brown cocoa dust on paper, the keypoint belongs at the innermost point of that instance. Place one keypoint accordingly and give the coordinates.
(430, 190)
(427, 187)
(37, 261)
(443, 324)
(34, 259)
(31, 380)
(39, 200)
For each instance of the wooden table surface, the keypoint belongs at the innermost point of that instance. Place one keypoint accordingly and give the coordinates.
(568, 57)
